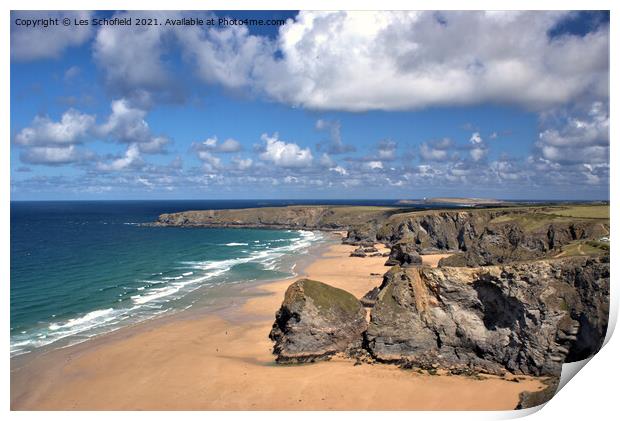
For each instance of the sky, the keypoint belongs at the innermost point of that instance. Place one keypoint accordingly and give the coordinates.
(321, 105)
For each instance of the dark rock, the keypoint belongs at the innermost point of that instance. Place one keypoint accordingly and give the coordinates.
(526, 318)
(404, 254)
(370, 298)
(488, 237)
(372, 249)
(363, 235)
(358, 252)
(316, 321)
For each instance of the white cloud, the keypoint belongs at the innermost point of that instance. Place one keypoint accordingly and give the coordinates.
(228, 146)
(364, 60)
(28, 43)
(339, 170)
(475, 139)
(211, 162)
(156, 144)
(129, 160)
(436, 150)
(409, 60)
(579, 136)
(282, 154)
(72, 128)
(374, 165)
(126, 124)
(51, 155)
(242, 164)
(478, 148)
(227, 56)
(478, 153)
(131, 57)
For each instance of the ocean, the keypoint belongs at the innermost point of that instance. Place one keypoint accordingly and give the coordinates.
(79, 269)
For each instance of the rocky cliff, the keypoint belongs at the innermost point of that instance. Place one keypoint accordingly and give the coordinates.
(526, 318)
(286, 217)
(481, 237)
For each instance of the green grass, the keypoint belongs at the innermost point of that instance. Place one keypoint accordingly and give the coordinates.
(325, 296)
(529, 221)
(584, 248)
(582, 211)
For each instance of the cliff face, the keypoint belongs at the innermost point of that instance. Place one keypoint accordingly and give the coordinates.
(476, 237)
(288, 217)
(525, 318)
(482, 237)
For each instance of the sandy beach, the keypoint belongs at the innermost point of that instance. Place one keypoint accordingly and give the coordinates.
(223, 361)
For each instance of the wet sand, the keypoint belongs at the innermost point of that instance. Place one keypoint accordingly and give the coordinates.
(224, 361)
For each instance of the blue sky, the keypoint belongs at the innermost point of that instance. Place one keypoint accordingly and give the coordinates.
(328, 105)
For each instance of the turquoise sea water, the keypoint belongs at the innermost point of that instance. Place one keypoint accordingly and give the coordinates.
(79, 269)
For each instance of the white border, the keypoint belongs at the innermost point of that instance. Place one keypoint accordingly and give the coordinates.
(589, 396)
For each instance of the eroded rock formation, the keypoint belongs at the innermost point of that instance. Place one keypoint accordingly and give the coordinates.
(480, 237)
(525, 318)
(404, 254)
(316, 321)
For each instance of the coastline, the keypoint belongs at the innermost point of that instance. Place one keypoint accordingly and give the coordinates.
(207, 298)
(221, 359)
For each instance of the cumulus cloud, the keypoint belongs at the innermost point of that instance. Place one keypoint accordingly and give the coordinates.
(413, 60)
(126, 124)
(73, 127)
(46, 141)
(131, 159)
(475, 139)
(374, 165)
(478, 149)
(131, 58)
(52, 155)
(282, 154)
(212, 144)
(228, 56)
(363, 60)
(409, 60)
(211, 162)
(340, 170)
(582, 137)
(28, 43)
